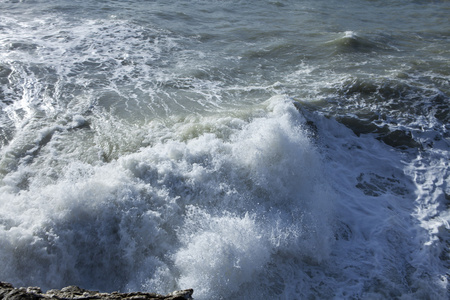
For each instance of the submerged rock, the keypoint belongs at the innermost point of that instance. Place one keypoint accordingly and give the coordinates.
(8, 292)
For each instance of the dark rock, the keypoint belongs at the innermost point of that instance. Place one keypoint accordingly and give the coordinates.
(8, 292)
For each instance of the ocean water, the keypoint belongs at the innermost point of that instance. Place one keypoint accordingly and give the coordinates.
(245, 149)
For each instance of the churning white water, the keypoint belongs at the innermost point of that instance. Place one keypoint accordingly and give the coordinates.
(246, 150)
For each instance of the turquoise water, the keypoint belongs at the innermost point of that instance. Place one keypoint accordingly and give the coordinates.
(245, 149)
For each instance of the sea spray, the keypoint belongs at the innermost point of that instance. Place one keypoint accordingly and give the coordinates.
(132, 133)
(255, 194)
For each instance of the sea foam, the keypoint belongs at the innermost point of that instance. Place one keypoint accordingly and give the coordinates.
(210, 212)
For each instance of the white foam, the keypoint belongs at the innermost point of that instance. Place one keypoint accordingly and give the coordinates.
(249, 196)
(125, 167)
(227, 251)
(382, 241)
(229, 206)
(350, 34)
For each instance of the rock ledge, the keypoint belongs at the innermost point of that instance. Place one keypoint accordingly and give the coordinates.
(8, 292)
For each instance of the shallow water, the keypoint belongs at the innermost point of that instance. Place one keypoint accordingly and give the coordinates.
(277, 149)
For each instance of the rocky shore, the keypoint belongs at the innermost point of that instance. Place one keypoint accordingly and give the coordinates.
(8, 292)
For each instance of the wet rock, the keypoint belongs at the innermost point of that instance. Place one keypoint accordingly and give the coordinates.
(8, 292)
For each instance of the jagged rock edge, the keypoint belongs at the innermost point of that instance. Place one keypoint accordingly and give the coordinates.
(9, 292)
